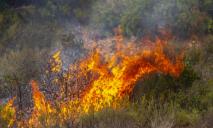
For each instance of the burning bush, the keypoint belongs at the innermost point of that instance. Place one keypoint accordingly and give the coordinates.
(105, 79)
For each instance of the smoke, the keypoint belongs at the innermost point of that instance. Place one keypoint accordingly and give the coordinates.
(56, 25)
(136, 18)
(141, 17)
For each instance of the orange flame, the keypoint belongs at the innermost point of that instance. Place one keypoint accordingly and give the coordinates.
(41, 106)
(115, 76)
(116, 79)
(7, 113)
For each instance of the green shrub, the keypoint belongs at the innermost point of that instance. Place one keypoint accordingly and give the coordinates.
(165, 87)
(184, 118)
(142, 114)
(141, 17)
(9, 24)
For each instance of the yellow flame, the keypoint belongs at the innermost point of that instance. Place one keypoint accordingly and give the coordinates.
(41, 107)
(7, 113)
(114, 78)
(117, 81)
(56, 62)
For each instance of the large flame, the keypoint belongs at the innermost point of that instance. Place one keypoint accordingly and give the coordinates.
(112, 77)
(117, 75)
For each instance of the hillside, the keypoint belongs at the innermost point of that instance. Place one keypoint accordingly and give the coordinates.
(106, 63)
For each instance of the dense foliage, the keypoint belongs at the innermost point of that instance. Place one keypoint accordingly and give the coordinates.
(139, 17)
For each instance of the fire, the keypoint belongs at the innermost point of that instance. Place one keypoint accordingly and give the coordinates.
(117, 79)
(41, 106)
(56, 62)
(7, 114)
(44, 109)
(112, 77)
(116, 73)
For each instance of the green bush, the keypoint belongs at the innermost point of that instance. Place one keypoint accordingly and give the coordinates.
(146, 113)
(164, 87)
(9, 23)
(184, 118)
(141, 17)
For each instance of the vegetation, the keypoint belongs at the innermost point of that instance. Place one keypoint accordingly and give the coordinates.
(141, 17)
(31, 30)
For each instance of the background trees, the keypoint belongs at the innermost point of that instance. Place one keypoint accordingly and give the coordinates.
(139, 17)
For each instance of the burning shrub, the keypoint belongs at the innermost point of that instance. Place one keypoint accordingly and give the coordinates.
(7, 114)
(112, 82)
(21, 67)
(105, 79)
